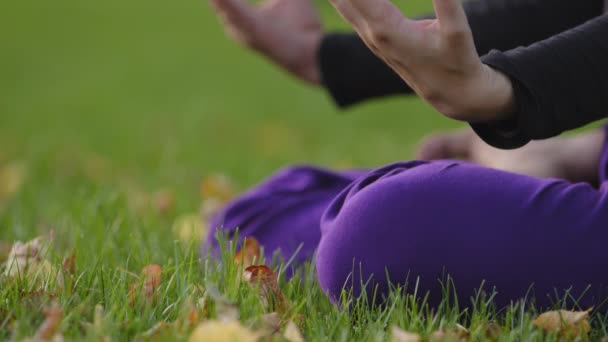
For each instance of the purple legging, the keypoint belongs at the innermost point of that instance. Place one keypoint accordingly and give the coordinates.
(419, 220)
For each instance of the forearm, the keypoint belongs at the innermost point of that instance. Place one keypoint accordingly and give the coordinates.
(352, 73)
(559, 84)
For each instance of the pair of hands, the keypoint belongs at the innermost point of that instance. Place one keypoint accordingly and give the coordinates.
(436, 58)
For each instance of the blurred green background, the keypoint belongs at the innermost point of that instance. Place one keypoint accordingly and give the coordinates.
(155, 89)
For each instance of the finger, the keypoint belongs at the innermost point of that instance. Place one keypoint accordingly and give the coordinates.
(451, 15)
(238, 12)
(377, 12)
(348, 12)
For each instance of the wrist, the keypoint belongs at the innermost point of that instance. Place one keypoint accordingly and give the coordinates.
(308, 69)
(494, 96)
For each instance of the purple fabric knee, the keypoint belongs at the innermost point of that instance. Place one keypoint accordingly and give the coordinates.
(418, 221)
(283, 212)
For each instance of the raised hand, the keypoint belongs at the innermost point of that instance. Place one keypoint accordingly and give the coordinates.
(437, 58)
(288, 32)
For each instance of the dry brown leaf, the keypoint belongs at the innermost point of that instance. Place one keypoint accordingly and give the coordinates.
(163, 201)
(292, 333)
(12, 177)
(218, 331)
(456, 334)
(249, 254)
(189, 228)
(48, 330)
(219, 187)
(155, 331)
(564, 322)
(492, 330)
(27, 259)
(265, 280)
(151, 277)
(68, 269)
(400, 335)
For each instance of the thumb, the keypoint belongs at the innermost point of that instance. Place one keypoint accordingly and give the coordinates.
(451, 15)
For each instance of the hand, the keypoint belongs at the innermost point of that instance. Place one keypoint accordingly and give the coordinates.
(288, 32)
(436, 58)
(574, 158)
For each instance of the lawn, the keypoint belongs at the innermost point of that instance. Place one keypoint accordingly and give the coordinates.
(111, 115)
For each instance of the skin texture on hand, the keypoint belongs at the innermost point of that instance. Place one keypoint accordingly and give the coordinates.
(288, 32)
(574, 158)
(436, 58)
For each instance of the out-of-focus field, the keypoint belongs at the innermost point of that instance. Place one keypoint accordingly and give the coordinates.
(154, 87)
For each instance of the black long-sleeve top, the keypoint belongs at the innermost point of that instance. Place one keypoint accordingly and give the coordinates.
(556, 55)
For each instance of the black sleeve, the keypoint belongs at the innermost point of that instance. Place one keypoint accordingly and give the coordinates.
(559, 84)
(352, 73)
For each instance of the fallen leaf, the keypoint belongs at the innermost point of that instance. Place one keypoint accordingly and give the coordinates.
(564, 322)
(218, 331)
(292, 333)
(151, 277)
(48, 330)
(265, 280)
(189, 228)
(492, 330)
(155, 331)
(226, 312)
(27, 260)
(12, 177)
(269, 323)
(249, 254)
(219, 187)
(456, 334)
(400, 335)
(68, 269)
(163, 201)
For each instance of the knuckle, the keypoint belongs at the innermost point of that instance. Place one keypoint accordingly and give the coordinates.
(380, 35)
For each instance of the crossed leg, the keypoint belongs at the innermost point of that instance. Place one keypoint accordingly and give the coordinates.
(424, 219)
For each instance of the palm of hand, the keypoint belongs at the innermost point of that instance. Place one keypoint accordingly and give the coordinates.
(437, 58)
(286, 31)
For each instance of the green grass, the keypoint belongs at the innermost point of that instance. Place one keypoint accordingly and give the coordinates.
(103, 102)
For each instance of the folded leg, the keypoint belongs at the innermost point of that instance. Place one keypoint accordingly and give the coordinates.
(422, 220)
(283, 212)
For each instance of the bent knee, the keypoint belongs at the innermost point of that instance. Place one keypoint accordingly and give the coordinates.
(374, 232)
(282, 213)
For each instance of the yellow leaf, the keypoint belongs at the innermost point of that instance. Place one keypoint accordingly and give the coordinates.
(564, 322)
(217, 331)
(456, 334)
(292, 333)
(219, 187)
(400, 335)
(189, 228)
